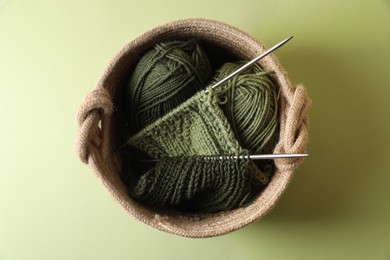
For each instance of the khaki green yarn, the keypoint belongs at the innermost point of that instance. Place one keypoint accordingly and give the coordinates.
(166, 76)
(198, 184)
(183, 179)
(250, 103)
(197, 127)
(243, 113)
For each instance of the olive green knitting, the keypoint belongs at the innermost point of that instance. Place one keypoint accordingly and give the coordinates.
(239, 118)
(197, 127)
(199, 184)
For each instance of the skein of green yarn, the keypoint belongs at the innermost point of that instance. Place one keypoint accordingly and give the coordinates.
(250, 103)
(165, 77)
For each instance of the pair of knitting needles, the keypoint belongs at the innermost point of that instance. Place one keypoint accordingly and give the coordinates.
(236, 72)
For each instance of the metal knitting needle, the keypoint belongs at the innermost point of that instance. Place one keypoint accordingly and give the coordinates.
(234, 73)
(250, 63)
(253, 157)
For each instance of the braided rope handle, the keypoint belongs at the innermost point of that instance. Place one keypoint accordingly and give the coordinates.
(94, 121)
(294, 124)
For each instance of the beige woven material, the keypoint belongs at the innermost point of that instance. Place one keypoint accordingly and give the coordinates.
(100, 126)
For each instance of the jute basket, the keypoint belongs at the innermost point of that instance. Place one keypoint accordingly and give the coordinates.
(101, 133)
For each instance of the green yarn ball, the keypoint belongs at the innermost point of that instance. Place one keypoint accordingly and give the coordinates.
(250, 103)
(165, 77)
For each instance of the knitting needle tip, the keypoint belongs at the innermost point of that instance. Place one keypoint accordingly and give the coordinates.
(250, 63)
(275, 156)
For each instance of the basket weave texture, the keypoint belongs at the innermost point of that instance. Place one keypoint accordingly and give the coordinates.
(99, 122)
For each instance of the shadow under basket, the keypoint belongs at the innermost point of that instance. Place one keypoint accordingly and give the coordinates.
(102, 131)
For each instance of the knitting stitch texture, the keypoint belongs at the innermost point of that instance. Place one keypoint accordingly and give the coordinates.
(198, 184)
(189, 181)
(197, 127)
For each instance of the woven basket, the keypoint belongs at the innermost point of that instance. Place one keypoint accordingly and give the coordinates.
(101, 133)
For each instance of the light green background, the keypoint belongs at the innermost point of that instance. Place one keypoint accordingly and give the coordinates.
(52, 206)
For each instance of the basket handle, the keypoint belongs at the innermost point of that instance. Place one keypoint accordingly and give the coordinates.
(93, 122)
(294, 123)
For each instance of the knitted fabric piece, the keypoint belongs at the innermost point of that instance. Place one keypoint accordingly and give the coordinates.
(184, 179)
(197, 127)
(198, 184)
